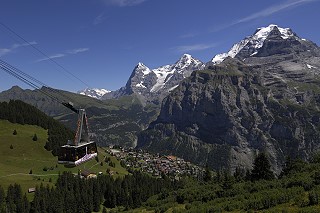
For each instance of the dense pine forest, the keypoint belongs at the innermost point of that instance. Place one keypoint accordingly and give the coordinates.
(17, 111)
(75, 194)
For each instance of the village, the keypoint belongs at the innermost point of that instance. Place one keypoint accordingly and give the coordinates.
(155, 164)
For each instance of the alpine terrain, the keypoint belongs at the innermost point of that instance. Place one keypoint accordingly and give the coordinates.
(94, 93)
(151, 86)
(262, 95)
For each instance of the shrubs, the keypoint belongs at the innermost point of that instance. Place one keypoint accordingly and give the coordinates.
(112, 164)
(35, 137)
(313, 198)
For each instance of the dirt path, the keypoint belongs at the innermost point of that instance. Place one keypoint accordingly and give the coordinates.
(25, 174)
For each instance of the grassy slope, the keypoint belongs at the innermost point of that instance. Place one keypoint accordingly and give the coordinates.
(16, 163)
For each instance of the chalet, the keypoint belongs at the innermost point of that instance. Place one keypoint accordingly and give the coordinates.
(87, 174)
(31, 190)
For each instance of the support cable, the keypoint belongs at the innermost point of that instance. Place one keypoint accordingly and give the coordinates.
(42, 53)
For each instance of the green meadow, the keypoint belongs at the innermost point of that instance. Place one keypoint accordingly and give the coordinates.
(28, 163)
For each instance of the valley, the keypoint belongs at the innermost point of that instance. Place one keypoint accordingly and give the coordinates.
(29, 164)
(237, 133)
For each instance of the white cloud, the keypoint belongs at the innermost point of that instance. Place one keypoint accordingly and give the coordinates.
(274, 9)
(59, 55)
(189, 35)
(99, 19)
(290, 4)
(195, 47)
(124, 3)
(78, 50)
(5, 51)
(66, 53)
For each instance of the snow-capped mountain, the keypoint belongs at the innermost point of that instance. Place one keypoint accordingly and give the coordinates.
(154, 84)
(169, 76)
(251, 45)
(94, 93)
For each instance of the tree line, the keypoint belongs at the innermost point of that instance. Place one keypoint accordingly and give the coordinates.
(75, 194)
(17, 111)
(296, 188)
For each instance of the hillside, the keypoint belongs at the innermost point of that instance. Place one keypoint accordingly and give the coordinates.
(27, 155)
(296, 190)
(113, 122)
(19, 112)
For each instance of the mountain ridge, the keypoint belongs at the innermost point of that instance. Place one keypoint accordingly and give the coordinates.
(223, 115)
(152, 85)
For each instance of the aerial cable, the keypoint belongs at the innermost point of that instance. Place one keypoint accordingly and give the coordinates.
(32, 82)
(21, 73)
(42, 53)
(4, 66)
(27, 82)
(36, 84)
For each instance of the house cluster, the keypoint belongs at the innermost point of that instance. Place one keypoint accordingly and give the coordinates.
(155, 164)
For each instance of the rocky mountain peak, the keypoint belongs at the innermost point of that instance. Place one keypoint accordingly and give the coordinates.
(186, 61)
(146, 82)
(142, 68)
(251, 45)
(273, 29)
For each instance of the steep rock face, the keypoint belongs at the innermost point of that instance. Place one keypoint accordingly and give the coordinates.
(265, 99)
(151, 86)
(223, 116)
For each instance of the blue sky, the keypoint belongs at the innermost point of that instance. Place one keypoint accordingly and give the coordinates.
(101, 41)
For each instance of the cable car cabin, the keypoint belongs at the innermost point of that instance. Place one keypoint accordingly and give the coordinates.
(72, 155)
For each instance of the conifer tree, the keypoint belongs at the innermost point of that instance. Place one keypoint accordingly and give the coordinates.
(207, 174)
(2, 198)
(261, 168)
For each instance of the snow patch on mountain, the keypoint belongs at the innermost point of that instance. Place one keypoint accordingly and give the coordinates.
(94, 92)
(172, 88)
(162, 73)
(311, 67)
(141, 85)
